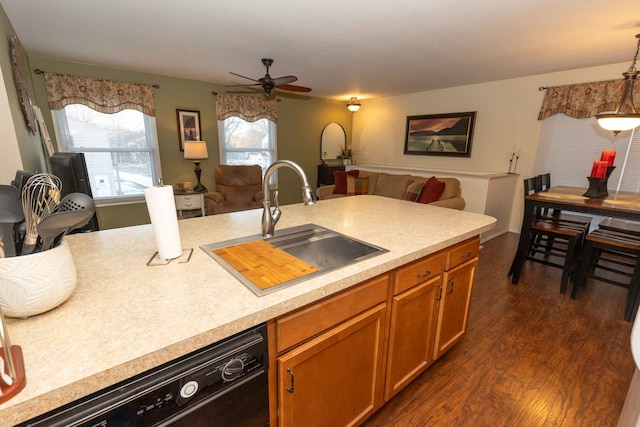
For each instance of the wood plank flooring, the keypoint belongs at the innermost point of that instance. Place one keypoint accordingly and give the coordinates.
(531, 357)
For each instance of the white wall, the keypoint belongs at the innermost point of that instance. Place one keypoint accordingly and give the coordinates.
(10, 160)
(506, 121)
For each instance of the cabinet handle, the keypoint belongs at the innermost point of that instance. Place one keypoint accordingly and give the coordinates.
(425, 274)
(467, 255)
(290, 388)
(439, 297)
(452, 283)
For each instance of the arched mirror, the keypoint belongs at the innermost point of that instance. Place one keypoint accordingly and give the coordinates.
(332, 142)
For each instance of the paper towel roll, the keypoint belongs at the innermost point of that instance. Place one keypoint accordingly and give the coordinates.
(164, 219)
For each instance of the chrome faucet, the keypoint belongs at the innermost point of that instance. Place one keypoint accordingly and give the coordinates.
(270, 218)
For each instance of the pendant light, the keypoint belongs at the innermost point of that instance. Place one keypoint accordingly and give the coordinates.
(620, 119)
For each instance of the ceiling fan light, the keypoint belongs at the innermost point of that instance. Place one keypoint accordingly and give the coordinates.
(353, 105)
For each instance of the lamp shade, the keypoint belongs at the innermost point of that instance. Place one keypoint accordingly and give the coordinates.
(195, 150)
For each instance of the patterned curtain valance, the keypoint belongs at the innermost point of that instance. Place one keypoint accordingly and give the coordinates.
(583, 100)
(105, 96)
(247, 108)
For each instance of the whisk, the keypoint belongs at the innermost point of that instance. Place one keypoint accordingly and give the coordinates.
(40, 198)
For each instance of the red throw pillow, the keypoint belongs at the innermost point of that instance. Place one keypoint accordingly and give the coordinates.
(340, 180)
(432, 191)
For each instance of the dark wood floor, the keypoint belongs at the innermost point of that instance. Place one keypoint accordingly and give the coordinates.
(531, 357)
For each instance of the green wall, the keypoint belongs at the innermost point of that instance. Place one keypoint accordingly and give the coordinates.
(30, 146)
(300, 123)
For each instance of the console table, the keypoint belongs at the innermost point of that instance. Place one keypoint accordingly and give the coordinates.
(325, 174)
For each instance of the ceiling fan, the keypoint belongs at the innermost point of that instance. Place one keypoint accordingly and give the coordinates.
(269, 83)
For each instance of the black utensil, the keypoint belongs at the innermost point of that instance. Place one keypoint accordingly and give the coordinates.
(11, 213)
(60, 223)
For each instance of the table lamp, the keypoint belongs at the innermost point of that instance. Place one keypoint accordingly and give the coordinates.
(196, 150)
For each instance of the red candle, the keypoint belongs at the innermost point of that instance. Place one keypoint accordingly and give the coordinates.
(608, 156)
(599, 169)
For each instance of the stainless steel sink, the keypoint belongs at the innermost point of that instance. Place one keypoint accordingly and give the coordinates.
(320, 247)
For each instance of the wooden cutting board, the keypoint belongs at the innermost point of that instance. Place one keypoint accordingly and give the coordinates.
(263, 264)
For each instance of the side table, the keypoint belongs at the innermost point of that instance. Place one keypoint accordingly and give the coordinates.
(189, 201)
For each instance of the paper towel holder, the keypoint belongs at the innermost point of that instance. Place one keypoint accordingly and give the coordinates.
(12, 358)
(156, 260)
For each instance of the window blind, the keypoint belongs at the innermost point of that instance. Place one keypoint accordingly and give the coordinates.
(568, 147)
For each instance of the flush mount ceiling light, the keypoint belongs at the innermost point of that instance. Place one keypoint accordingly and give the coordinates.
(353, 104)
(620, 119)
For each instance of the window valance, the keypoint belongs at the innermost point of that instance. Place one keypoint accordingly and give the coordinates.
(247, 108)
(583, 100)
(105, 96)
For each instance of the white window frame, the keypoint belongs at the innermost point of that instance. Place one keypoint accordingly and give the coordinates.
(273, 148)
(152, 148)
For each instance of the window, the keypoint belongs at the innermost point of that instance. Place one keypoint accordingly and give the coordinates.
(247, 143)
(569, 146)
(121, 149)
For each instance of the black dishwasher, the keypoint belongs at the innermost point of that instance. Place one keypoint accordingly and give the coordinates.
(224, 384)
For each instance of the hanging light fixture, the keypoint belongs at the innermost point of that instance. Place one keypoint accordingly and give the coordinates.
(620, 119)
(353, 104)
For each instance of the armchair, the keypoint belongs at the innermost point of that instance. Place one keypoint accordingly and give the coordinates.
(238, 188)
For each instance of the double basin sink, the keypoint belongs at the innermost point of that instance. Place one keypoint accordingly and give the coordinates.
(324, 249)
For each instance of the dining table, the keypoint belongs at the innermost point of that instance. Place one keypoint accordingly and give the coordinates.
(615, 205)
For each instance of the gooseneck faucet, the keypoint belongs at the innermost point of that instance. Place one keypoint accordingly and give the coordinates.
(270, 218)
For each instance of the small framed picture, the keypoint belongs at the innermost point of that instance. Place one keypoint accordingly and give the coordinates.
(440, 134)
(188, 126)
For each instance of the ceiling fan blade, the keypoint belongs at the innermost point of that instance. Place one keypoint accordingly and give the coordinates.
(246, 85)
(294, 88)
(244, 77)
(279, 81)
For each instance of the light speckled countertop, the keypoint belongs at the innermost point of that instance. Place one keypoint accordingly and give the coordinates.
(125, 317)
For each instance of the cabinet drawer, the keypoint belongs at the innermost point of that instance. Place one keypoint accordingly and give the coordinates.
(310, 321)
(462, 252)
(417, 272)
(188, 202)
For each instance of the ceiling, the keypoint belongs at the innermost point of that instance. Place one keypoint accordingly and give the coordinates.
(340, 48)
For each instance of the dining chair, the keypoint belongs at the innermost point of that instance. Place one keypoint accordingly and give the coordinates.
(554, 243)
(612, 257)
(621, 225)
(543, 183)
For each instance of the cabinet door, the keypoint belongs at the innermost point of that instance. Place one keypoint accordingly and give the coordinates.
(453, 312)
(336, 378)
(413, 324)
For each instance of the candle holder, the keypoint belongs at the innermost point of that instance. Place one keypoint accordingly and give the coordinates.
(598, 186)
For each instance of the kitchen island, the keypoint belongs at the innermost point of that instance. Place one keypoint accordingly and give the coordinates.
(126, 317)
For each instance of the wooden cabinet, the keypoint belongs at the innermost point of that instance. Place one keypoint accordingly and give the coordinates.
(330, 364)
(453, 312)
(413, 324)
(429, 311)
(335, 362)
(334, 379)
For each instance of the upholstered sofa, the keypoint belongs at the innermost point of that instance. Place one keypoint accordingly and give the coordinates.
(238, 188)
(398, 186)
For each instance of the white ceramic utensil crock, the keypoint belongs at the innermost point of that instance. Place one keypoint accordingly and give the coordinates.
(35, 283)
